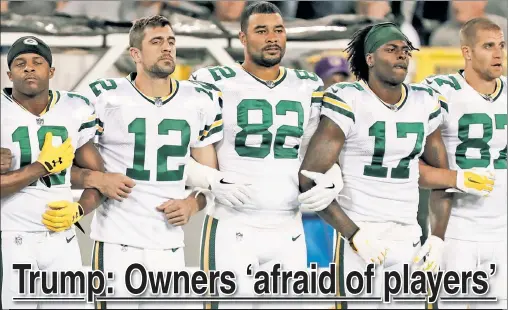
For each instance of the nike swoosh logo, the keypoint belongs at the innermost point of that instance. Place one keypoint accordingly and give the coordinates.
(415, 244)
(294, 238)
(331, 187)
(224, 182)
(193, 77)
(174, 249)
(70, 239)
(334, 89)
(473, 181)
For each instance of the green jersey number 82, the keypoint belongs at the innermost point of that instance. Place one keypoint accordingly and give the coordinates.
(262, 129)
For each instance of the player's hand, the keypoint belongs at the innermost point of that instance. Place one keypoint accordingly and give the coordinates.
(56, 159)
(478, 182)
(432, 250)
(229, 193)
(115, 185)
(369, 249)
(328, 187)
(179, 211)
(62, 214)
(6, 159)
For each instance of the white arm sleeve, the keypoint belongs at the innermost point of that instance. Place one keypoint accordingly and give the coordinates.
(309, 132)
(198, 175)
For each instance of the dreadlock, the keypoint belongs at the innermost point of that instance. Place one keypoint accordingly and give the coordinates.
(356, 53)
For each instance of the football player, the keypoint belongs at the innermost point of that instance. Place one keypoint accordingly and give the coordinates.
(46, 130)
(474, 132)
(377, 128)
(269, 112)
(149, 125)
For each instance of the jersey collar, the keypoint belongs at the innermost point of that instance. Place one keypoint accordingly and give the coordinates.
(394, 107)
(489, 97)
(268, 83)
(157, 101)
(53, 98)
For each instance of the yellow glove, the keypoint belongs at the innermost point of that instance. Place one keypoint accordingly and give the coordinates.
(56, 159)
(478, 182)
(62, 214)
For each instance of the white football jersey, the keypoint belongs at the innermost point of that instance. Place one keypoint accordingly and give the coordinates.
(474, 132)
(264, 122)
(149, 140)
(379, 159)
(68, 115)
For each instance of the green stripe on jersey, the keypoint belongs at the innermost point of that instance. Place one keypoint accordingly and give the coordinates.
(211, 132)
(316, 99)
(434, 114)
(444, 105)
(333, 96)
(86, 125)
(339, 110)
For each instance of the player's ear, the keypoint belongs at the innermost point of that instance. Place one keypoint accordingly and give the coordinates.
(51, 72)
(242, 37)
(135, 54)
(9, 74)
(466, 52)
(370, 60)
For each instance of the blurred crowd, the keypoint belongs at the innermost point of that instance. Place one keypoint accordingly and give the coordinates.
(425, 23)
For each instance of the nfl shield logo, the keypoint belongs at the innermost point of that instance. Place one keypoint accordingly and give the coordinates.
(40, 121)
(239, 236)
(270, 84)
(158, 102)
(18, 240)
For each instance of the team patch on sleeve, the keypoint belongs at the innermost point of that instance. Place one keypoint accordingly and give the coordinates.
(335, 103)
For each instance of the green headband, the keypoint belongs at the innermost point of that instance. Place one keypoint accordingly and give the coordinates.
(380, 34)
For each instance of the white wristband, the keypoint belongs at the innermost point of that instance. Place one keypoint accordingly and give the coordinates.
(199, 175)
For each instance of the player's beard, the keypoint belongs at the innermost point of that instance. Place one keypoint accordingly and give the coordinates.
(486, 74)
(261, 60)
(158, 72)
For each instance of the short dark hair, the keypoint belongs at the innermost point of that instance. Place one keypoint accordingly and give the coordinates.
(137, 32)
(470, 28)
(258, 7)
